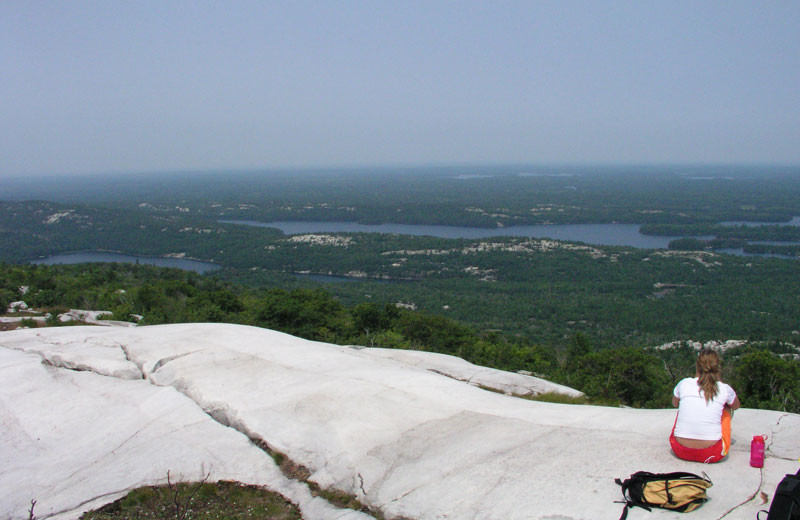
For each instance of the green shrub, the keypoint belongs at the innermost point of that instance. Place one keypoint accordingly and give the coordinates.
(555, 397)
(28, 322)
(633, 376)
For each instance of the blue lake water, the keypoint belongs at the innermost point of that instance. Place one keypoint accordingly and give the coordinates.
(80, 257)
(597, 234)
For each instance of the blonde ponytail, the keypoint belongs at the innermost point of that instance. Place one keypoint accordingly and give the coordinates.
(709, 373)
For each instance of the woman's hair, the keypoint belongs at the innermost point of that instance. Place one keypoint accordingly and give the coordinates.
(709, 372)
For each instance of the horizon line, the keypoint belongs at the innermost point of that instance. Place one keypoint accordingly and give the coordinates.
(410, 165)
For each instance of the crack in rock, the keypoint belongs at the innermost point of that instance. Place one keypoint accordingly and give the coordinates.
(129, 358)
(57, 362)
(748, 499)
(361, 484)
(137, 432)
(401, 497)
(80, 506)
(775, 431)
(222, 414)
(439, 372)
(69, 361)
(761, 471)
(163, 361)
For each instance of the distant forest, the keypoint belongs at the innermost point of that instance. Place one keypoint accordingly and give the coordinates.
(453, 195)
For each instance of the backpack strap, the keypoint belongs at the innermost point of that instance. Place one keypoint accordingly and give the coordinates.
(626, 500)
(624, 514)
(678, 475)
(666, 490)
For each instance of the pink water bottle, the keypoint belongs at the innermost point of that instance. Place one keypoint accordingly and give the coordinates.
(757, 451)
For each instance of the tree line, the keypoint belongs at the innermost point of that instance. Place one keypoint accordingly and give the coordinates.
(764, 373)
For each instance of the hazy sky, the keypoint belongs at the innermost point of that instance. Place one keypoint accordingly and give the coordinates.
(149, 85)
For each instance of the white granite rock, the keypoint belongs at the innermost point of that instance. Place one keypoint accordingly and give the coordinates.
(93, 318)
(412, 442)
(73, 439)
(82, 353)
(18, 319)
(457, 368)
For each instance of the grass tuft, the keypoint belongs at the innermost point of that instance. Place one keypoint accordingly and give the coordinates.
(555, 397)
(221, 500)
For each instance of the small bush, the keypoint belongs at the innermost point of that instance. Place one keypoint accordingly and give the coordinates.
(28, 322)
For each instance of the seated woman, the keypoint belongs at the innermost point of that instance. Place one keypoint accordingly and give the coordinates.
(702, 430)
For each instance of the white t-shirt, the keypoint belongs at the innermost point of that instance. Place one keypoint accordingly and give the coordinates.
(698, 419)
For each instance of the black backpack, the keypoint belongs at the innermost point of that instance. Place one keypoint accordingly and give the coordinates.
(677, 491)
(786, 502)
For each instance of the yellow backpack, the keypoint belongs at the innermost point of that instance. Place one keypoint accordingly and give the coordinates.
(677, 491)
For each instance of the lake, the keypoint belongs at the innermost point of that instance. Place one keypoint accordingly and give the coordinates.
(597, 234)
(80, 257)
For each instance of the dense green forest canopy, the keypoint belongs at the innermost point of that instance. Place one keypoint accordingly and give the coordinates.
(764, 373)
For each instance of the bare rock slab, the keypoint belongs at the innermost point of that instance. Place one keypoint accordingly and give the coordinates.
(408, 440)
